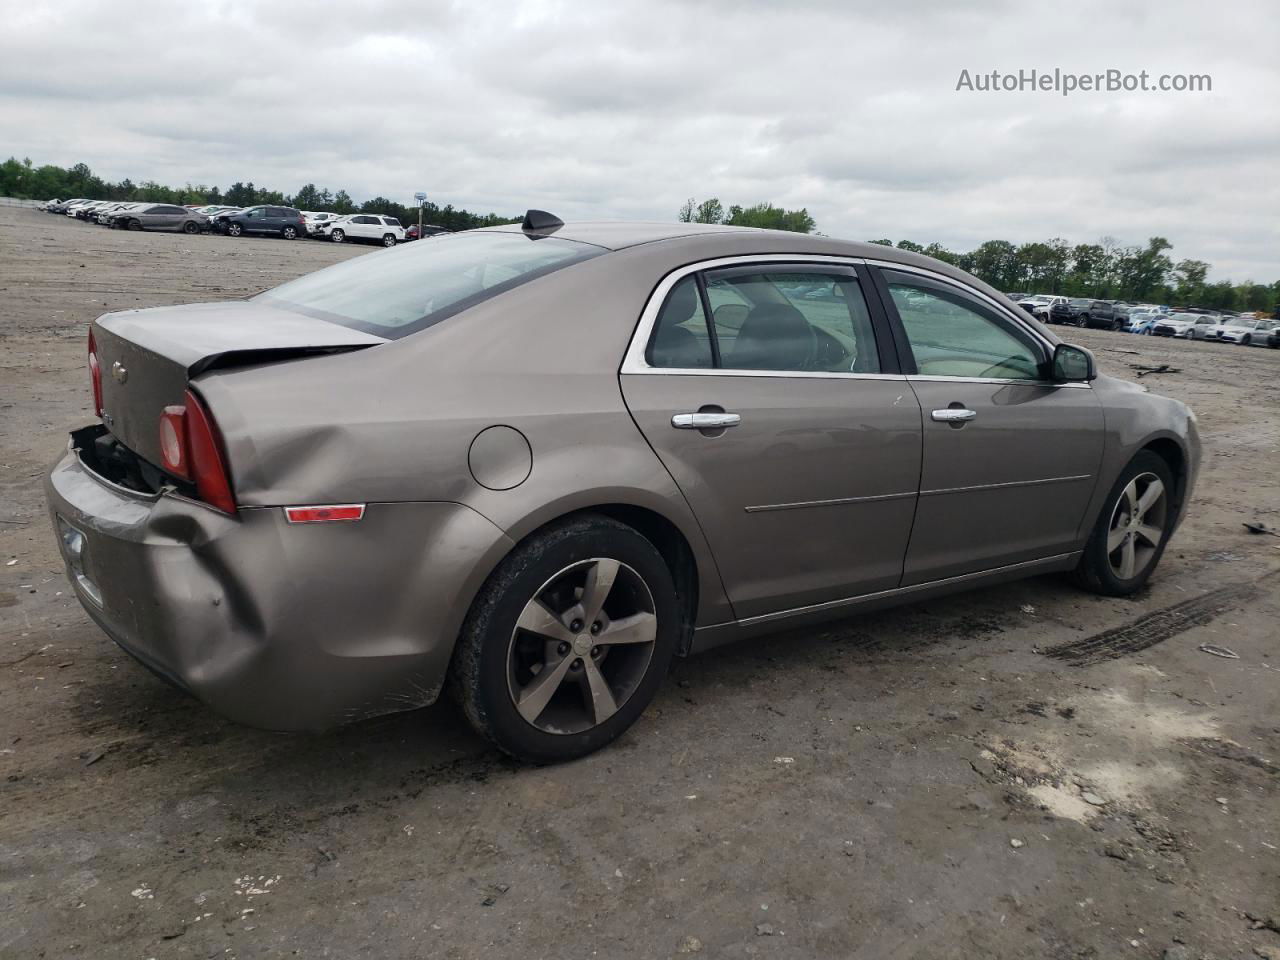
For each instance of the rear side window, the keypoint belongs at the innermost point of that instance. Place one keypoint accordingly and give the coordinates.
(407, 288)
(785, 321)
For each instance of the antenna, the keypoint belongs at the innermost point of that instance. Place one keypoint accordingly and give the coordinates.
(540, 220)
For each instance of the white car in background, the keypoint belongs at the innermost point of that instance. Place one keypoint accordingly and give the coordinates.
(366, 226)
(1246, 331)
(316, 221)
(1039, 305)
(1188, 326)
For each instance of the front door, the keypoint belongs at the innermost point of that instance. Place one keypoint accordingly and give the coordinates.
(763, 390)
(1010, 458)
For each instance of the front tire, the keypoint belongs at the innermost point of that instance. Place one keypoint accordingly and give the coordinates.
(1132, 530)
(337, 236)
(568, 641)
(234, 230)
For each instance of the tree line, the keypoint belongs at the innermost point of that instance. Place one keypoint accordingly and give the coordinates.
(1104, 270)
(20, 178)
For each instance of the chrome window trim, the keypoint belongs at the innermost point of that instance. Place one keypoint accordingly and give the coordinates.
(916, 377)
(634, 360)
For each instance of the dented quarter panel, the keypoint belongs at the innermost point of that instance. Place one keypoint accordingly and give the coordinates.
(281, 626)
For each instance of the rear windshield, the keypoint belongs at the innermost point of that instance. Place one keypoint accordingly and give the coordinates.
(399, 291)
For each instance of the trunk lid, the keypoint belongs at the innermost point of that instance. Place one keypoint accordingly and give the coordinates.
(148, 357)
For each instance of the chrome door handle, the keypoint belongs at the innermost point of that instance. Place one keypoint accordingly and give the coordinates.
(705, 421)
(953, 415)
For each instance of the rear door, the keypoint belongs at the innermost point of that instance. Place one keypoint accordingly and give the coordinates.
(365, 227)
(1010, 457)
(771, 394)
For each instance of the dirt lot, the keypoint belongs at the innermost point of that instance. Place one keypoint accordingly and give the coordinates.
(926, 782)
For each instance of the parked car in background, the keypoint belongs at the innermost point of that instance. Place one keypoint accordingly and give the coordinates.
(1273, 335)
(264, 219)
(1040, 304)
(83, 211)
(1064, 312)
(301, 509)
(1102, 314)
(60, 206)
(428, 230)
(370, 227)
(1244, 331)
(161, 216)
(316, 221)
(1141, 319)
(1188, 326)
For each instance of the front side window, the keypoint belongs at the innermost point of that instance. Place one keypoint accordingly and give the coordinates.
(784, 319)
(953, 336)
(408, 288)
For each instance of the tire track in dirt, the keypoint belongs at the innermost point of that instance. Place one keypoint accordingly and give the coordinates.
(1155, 627)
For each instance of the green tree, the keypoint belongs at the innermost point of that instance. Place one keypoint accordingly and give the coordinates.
(1188, 279)
(342, 203)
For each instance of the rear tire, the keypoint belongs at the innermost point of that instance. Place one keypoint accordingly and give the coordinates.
(529, 620)
(1123, 551)
(191, 227)
(289, 233)
(388, 239)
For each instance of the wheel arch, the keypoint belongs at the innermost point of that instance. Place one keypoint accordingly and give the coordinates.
(1170, 450)
(666, 536)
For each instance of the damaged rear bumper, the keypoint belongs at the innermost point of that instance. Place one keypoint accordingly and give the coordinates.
(275, 625)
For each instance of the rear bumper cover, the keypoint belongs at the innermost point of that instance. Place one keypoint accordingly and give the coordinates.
(275, 625)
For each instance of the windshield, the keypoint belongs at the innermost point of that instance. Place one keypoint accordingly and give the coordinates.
(405, 289)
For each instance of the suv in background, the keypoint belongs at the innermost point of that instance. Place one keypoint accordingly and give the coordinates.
(366, 226)
(1102, 314)
(282, 221)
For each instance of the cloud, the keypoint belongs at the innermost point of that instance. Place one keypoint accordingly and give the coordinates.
(625, 109)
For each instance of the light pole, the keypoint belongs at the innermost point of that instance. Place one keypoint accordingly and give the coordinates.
(422, 202)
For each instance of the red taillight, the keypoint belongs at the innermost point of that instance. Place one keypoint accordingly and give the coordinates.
(191, 448)
(95, 375)
(326, 514)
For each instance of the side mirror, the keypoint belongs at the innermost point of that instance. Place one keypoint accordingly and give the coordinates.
(1072, 364)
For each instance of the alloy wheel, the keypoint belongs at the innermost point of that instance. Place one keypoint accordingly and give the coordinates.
(388, 241)
(1137, 526)
(581, 646)
(337, 236)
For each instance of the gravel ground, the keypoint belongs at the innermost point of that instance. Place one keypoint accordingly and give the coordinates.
(1023, 771)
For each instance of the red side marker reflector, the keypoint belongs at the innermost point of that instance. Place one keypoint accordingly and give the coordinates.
(326, 514)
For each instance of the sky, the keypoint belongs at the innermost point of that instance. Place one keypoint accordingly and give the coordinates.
(623, 109)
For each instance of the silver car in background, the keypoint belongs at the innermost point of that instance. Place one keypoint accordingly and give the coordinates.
(533, 463)
(161, 216)
(1244, 331)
